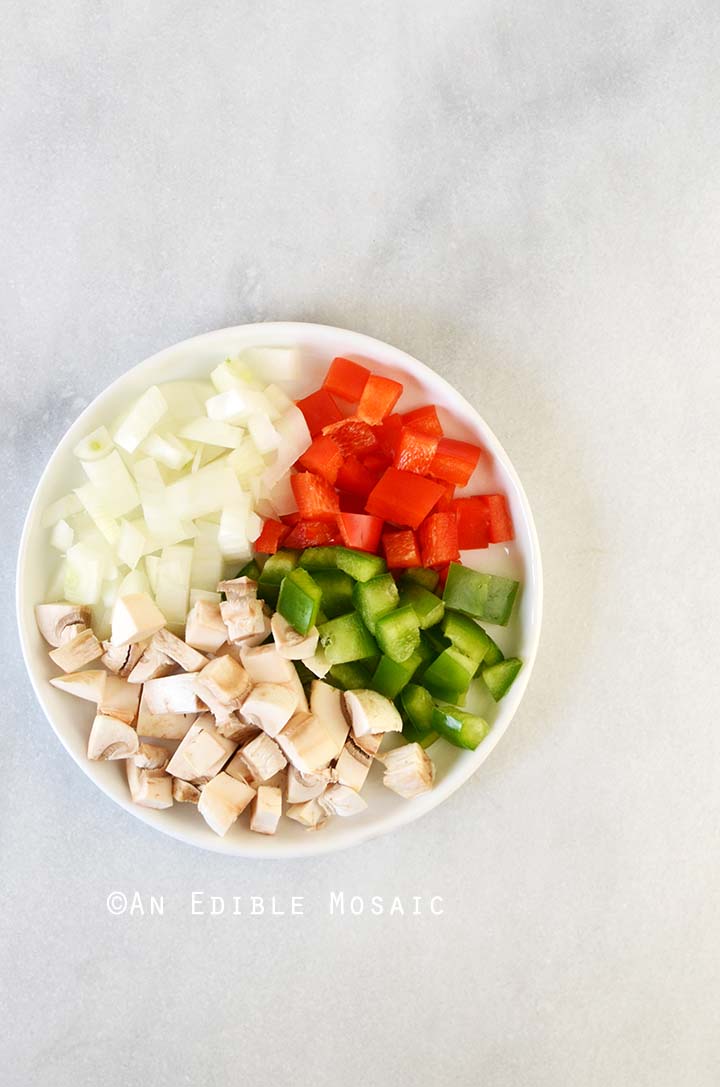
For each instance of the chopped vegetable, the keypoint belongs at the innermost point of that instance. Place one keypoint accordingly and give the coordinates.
(272, 535)
(403, 498)
(428, 608)
(455, 461)
(299, 600)
(485, 596)
(449, 675)
(360, 531)
(375, 598)
(459, 727)
(415, 450)
(398, 633)
(500, 677)
(317, 500)
(359, 565)
(346, 639)
(390, 677)
(323, 458)
(346, 379)
(379, 397)
(401, 549)
(466, 635)
(438, 539)
(337, 591)
(425, 420)
(320, 410)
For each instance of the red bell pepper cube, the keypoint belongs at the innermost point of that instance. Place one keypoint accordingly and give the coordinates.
(351, 435)
(473, 522)
(346, 379)
(317, 500)
(323, 458)
(272, 535)
(376, 461)
(320, 410)
(442, 577)
(401, 549)
(438, 539)
(290, 518)
(355, 478)
(352, 503)
(360, 531)
(500, 521)
(447, 501)
(311, 534)
(403, 498)
(378, 399)
(388, 434)
(414, 451)
(424, 419)
(455, 461)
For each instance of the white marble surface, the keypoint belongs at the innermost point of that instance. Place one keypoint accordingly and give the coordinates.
(524, 195)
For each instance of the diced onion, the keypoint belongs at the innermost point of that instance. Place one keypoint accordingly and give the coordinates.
(233, 375)
(199, 494)
(143, 417)
(131, 544)
(207, 560)
(273, 363)
(95, 445)
(84, 573)
(263, 434)
(118, 494)
(204, 594)
(152, 565)
(62, 536)
(236, 405)
(232, 536)
(168, 450)
(134, 582)
(61, 510)
(172, 587)
(212, 432)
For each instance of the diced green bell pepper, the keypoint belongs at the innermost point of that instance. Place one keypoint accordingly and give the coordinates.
(251, 569)
(276, 567)
(485, 596)
(466, 635)
(351, 676)
(436, 640)
(319, 558)
(459, 727)
(418, 575)
(391, 676)
(375, 598)
(500, 677)
(426, 653)
(398, 634)
(493, 655)
(449, 675)
(346, 638)
(299, 600)
(418, 705)
(412, 736)
(428, 607)
(359, 564)
(336, 589)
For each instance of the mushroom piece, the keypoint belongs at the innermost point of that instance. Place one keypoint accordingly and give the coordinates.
(134, 618)
(222, 800)
(80, 650)
(202, 752)
(119, 699)
(163, 726)
(264, 664)
(172, 694)
(353, 766)
(204, 627)
(149, 788)
(290, 644)
(300, 787)
(188, 658)
(243, 618)
(309, 814)
(121, 659)
(307, 743)
(152, 664)
(318, 664)
(371, 712)
(327, 703)
(222, 685)
(263, 757)
(269, 706)
(341, 800)
(266, 810)
(111, 739)
(409, 771)
(237, 588)
(88, 685)
(184, 792)
(233, 728)
(295, 685)
(152, 757)
(59, 623)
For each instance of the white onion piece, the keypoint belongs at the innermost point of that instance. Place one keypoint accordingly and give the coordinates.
(232, 536)
(84, 573)
(212, 432)
(246, 461)
(278, 400)
(56, 586)
(253, 526)
(236, 405)
(207, 563)
(233, 375)
(264, 435)
(295, 439)
(135, 582)
(152, 564)
(185, 400)
(62, 509)
(131, 544)
(95, 501)
(204, 594)
(168, 450)
(273, 363)
(164, 526)
(118, 493)
(144, 415)
(281, 497)
(172, 587)
(95, 445)
(109, 592)
(199, 494)
(62, 536)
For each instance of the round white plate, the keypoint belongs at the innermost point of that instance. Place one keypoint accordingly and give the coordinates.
(71, 718)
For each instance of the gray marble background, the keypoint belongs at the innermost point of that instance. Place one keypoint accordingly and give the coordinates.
(524, 195)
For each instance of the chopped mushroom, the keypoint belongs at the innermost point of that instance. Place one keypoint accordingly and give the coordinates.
(269, 706)
(119, 699)
(59, 623)
(111, 739)
(152, 757)
(152, 664)
(266, 810)
(290, 644)
(222, 800)
(300, 787)
(371, 712)
(353, 766)
(409, 771)
(243, 618)
(188, 658)
(204, 627)
(263, 757)
(163, 726)
(327, 703)
(233, 728)
(121, 659)
(172, 694)
(184, 792)
(134, 618)
(295, 685)
(149, 788)
(82, 649)
(341, 800)
(264, 664)
(222, 681)
(309, 814)
(88, 685)
(307, 743)
(202, 752)
(237, 588)
(318, 664)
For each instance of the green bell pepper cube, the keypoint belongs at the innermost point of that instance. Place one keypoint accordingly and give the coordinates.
(299, 600)
(500, 677)
(484, 596)
(351, 676)
(426, 654)
(418, 575)
(346, 638)
(436, 640)
(493, 655)
(398, 634)
(412, 736)
(418, 706)
(319, 558)
(459, 727)
(428, 607)
(359, 564)
(375, 598)
(337, 589)
(466, 635)
(391, 676)
(276, 567)
(251, 569)
(449, 675)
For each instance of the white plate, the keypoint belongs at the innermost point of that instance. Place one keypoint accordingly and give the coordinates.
(71, 718)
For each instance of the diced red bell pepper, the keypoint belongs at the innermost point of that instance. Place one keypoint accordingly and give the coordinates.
(376, 461)
(355, 478)
(320, 410)
(351, 435)
(473, 522)
(352, 503)
(446, 502)
(290, 518)
(388, 434)
(424, 419)
(272, 535)
(346, 379)
(378, 399)
(323, 458)
(443, 576)
(455, 461)
(403, 498)
(500, 521)
(414, 451)
(360, 531)
(311, 534)
(438, 539)
(401, 549)
(317, 500)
